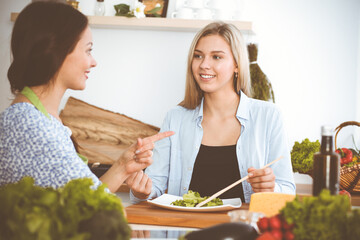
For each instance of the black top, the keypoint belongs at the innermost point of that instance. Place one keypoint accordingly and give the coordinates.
(215, 168)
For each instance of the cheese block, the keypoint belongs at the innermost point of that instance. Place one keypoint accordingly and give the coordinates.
(269, 203)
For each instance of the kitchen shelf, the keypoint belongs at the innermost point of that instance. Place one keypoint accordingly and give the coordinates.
(161, 24)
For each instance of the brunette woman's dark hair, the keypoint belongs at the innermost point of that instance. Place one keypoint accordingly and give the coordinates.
(44, 34)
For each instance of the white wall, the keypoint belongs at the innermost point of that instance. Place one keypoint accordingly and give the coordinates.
(6, 7)
(357, 136)
(309, 49)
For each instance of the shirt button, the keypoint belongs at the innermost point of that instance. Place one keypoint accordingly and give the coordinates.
(184, 188)
(189, 168)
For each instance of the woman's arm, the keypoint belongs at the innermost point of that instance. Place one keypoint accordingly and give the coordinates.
(279, 177)
(158, 172)
(137, 157)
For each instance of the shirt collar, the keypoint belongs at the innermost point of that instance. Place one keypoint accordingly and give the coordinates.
(199, 112)
(243, 110)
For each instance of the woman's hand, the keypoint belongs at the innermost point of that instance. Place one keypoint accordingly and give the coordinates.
(139, 155)
(140, 184)
(134, 159)
(261, 180)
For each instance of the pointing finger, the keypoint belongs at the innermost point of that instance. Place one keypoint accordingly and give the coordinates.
(150, 140)
(159, 136)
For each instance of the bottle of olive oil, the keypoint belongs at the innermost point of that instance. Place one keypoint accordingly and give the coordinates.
(326, 170)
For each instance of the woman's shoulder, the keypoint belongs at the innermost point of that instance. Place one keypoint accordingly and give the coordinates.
(263, 106)
(21, 114)
(178, 116)
(19, 111)
(264, 111)
(24, 118)
(178, 111)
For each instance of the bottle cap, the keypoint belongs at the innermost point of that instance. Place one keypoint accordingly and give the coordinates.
(326, 131)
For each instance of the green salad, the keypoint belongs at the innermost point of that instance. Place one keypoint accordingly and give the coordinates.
(191, 199)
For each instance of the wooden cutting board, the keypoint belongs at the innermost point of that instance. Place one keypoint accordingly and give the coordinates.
(144, 213)
(103, 135)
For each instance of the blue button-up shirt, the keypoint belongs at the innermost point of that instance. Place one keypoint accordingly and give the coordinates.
(262, 140)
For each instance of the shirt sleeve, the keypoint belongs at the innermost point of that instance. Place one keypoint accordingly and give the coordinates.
(278, 146)
(158, 171)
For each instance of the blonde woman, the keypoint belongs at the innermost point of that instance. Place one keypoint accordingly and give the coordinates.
(221, 133)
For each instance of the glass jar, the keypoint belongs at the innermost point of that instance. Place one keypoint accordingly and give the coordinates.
(99, 8)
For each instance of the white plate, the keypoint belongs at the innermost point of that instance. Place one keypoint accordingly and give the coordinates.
(165, 200)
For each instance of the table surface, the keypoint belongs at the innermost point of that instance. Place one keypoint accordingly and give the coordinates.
(144, 214)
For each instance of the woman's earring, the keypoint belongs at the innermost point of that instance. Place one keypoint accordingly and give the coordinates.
(236, 75)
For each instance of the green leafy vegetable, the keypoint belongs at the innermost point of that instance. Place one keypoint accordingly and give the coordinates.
(191, 199)
(302, 155)
(32, 212)
(353, 225)
(104, 225)
(322, 217)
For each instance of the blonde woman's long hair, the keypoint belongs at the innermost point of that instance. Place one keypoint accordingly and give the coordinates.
(232, 35)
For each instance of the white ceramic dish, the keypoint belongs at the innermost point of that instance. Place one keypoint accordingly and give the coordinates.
(165, 200)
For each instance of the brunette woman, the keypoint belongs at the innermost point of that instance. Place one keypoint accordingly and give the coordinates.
(51, 48)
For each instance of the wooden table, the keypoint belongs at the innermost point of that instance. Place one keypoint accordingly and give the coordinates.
(303, 190)
(144, 213)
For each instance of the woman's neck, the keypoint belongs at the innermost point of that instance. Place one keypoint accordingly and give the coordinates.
(221, 104)
(50, 97)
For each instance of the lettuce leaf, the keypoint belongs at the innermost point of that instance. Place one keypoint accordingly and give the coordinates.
(319, 218)
(192, 198)
(33, 212)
